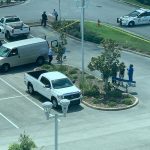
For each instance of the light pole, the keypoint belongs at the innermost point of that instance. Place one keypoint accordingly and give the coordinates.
(47, 109)
(59, 11)
(82, 4)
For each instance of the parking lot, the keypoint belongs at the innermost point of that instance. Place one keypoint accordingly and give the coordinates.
(20, 111)
(17, 107)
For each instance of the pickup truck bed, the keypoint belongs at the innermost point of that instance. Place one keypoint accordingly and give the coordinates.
(36, 74)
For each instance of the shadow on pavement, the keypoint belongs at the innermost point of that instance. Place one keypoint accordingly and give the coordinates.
(19, 69)
(42, 99)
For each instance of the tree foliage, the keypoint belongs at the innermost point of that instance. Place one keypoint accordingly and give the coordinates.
(106, 62)
(24, 143)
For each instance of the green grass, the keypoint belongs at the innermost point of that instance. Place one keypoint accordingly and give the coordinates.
(137, 3)
(122, 38)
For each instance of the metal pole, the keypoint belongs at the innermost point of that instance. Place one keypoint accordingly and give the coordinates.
(56, 131)
(59, 11)
(82, 40)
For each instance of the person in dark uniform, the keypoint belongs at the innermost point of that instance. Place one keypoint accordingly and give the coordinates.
(44, 19)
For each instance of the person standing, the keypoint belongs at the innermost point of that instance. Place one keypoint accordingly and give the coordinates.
(122, 72)
(55, 14)
(130, 72)
(114, 72)
(50, 55)
(44, 19)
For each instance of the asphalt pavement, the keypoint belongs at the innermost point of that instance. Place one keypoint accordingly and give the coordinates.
(83, 128)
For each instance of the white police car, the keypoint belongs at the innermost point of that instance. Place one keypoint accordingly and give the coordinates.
(137, 17)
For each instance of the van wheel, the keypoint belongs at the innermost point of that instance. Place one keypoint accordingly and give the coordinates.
(5, 67)
(54, 102)
(30, 88)
(40, 61)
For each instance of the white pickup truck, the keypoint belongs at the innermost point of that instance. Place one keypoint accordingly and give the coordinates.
(53, 85)
(14, 26)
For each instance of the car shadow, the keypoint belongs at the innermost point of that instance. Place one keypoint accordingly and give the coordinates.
(42, 99)
(19, 69)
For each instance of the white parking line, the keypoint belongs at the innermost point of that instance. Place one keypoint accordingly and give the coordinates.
(21, 93)
(9, 121)
(1, 99)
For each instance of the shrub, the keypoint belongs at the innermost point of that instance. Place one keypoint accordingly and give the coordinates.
(14, 146)
(112, 104)
(146, 2)
(127, 101)
(115, 94)
(25, 143)
(91, 90)
(92, 37)
(75, 77)
(90, 77)
(73, 71)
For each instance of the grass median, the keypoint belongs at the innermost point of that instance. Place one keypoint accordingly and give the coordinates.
(123, 38)
(96, 34)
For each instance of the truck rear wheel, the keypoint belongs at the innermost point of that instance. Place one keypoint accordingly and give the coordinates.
(30, 88)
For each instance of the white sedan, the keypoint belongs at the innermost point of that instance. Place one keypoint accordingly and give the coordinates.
(137, 17)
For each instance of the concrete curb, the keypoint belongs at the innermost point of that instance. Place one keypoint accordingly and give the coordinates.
(112, 109)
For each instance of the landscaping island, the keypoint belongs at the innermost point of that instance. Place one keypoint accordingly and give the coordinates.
(93, 90)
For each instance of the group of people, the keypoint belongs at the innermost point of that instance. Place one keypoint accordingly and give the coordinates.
(121, 70)
(44, 17)
(61, 55)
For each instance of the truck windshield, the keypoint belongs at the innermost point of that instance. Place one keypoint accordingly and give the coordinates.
(61, 83)
(3, 51)
(134, 14)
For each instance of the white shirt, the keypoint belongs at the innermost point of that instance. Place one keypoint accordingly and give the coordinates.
(50, 52)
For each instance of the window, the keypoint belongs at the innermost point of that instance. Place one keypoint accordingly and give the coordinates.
(14, 52)
(12, 20)
(4, 51)
(142, 15)
(134, 14)
(45, 81)
(148, 14)
(61, 83)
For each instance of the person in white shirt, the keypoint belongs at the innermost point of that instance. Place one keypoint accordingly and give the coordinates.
(50, 55)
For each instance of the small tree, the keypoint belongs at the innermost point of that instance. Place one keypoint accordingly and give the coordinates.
(105, 62)
(61, 46)
(25, 143)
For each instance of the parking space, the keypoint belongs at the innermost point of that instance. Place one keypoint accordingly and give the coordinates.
(18, 109)
(17, 105)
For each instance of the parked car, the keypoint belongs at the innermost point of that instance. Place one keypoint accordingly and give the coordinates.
(23, 52)
(14, 26)
(53, 85)
(137, 17)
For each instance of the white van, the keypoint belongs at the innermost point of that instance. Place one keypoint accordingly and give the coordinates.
(23, 52)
